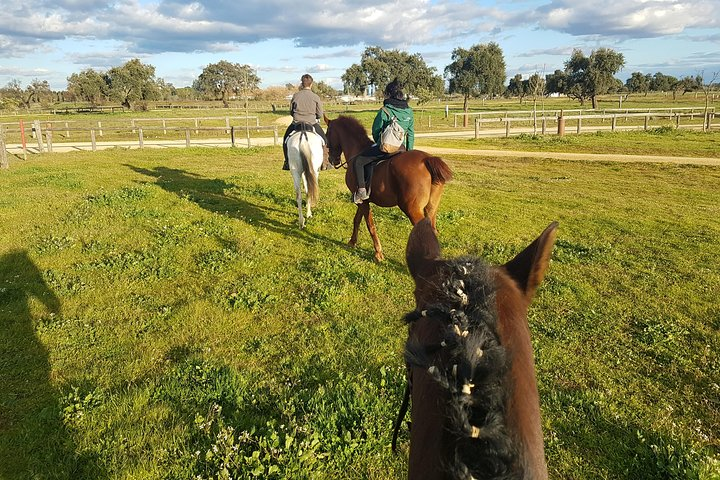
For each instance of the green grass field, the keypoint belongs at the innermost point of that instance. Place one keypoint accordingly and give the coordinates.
(163, 317)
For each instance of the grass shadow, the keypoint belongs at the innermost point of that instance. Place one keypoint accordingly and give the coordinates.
(211, 195)
(34, 442)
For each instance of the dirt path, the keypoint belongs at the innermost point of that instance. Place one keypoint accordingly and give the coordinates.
(611, 157)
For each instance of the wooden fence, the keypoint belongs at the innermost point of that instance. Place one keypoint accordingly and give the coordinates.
(516, 115)
(561, 121)
(229, 135)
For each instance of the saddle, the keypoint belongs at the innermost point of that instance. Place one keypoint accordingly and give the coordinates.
(370, 167)
(302, 128)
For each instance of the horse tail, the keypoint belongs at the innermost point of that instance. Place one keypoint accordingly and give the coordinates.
(439, 170)
(310, 176)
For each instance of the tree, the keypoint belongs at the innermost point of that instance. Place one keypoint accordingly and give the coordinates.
(476, 71)
(707, 87)
(355, 81)
(591, 76)
(223, 80)
(516, 87)
(88, 85)
(379, 67)
(324, 90)
(134, 81)
(638, 83)
(556, 82)
(37, 91)
(662, 83)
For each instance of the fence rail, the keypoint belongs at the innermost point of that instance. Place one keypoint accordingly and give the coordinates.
(503, 115)
(229, 135)
(560, 122)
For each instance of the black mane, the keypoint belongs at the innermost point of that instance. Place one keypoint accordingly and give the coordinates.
(474, 376)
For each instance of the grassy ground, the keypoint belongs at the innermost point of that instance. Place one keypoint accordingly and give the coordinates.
(163, 317)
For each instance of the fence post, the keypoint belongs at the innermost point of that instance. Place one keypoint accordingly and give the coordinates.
(247, 134)
(164, 127)
(38, 135)
(67, 130)
(232, 136)
(477, 128)
(275, 135)
(100, 128)
(544, 124)
(507, 127)
(561, 124)
(140, 137)
(92, 139)
(227, 125)
(579, 124)
(3, 153)
(613, 123)
(48, 139)
(645, 126)
(22, 138)
(187, 137)
(196, 126)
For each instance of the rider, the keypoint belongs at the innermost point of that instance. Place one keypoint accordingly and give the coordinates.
(396, 103)
(305, 107)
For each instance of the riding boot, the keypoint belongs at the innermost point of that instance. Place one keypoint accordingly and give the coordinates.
(326, 155)
(285, 165)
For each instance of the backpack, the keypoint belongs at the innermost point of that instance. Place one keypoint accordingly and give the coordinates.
(393, 136)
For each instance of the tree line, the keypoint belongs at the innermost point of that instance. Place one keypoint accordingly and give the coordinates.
(478, 71)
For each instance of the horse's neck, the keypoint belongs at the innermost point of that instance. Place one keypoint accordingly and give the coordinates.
(355, 147)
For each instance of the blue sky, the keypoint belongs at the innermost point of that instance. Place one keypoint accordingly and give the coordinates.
(282, 39)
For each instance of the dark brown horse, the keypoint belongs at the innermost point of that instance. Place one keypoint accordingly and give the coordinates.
(475, 409)
(413, 180)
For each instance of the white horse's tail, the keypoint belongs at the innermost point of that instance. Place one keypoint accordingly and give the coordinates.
(313, 191)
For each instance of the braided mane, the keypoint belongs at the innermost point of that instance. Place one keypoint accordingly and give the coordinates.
(470, 365)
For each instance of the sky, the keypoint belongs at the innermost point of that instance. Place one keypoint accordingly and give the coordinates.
(283, 39)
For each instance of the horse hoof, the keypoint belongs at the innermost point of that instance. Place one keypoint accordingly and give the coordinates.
(379, 257)
(351, 244)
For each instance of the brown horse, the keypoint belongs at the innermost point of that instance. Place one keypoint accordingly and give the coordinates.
(475, 408)
(413, 180)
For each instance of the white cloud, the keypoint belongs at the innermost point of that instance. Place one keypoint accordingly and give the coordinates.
(627, 18)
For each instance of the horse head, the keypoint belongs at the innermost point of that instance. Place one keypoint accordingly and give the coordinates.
(347, 136)
(475, 407)
(334, 142)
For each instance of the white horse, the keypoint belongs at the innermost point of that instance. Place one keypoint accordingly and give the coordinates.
(305, 157)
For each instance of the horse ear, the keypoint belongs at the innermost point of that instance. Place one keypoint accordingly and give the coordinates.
(326, 119)
(423, 249)
(529, 266)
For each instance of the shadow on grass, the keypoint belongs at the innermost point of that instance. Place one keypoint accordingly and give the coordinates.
(34, 442)
(210, 194)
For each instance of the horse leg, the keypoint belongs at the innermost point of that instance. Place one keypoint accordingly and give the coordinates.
(298, 197)
(379, 257)
(359, 213)
(431, 208)
(307, 201)
(413, 211)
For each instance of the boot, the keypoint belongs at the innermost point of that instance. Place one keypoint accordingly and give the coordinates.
(326, 156)
(285, 165)
(360, 196)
